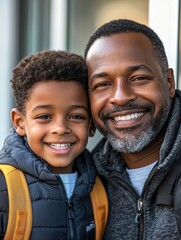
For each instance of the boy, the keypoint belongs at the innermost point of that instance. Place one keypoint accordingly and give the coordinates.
(51, 126)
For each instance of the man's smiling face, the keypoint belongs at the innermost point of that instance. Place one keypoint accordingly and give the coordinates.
(129, 94)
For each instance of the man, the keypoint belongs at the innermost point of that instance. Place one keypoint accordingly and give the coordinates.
(136, 107)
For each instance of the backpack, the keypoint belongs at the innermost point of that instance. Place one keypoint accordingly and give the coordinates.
(169, 191)
(20, 210)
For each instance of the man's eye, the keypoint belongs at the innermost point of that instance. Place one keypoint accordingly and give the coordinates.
(142, 78)
(102, 85)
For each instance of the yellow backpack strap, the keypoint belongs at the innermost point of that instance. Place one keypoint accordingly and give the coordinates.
(20, 210)
(100, 207)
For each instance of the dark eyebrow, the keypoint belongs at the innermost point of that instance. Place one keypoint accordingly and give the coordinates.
(37, 107)
(139, 67)
(98, 75)
(50, 107)
(80, 106)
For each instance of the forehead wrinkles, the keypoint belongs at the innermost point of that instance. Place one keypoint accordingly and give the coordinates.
(114, 59)
(121, 45)
(118, 40)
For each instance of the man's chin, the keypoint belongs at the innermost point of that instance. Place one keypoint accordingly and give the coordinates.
(130, 142)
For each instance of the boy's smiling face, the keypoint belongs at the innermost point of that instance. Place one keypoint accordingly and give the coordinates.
(56, 122)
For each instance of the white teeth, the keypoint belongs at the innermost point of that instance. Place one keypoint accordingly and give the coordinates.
(128, 117)
(60, 146)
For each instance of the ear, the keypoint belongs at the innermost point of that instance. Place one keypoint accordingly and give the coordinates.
(92, 128)
(17, 119)
(171, 82)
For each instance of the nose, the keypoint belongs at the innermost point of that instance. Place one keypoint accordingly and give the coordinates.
(122, 93)
(60, 127)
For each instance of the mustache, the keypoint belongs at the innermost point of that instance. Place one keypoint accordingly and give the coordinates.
(128, 106)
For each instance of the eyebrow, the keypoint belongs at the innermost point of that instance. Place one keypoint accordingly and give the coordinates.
(98, 75)
(38, 107)
(80, 106)
(139, 67)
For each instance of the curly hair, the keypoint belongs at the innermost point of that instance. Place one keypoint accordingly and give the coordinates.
(44, 66)
(126, 26)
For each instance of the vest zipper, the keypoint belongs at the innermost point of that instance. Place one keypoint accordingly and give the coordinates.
(71, 228)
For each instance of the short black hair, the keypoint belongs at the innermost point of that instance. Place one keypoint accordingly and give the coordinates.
(44, 66)
(126, 26)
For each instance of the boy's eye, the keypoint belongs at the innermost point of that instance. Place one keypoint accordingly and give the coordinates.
(77, 117)
(44, 116)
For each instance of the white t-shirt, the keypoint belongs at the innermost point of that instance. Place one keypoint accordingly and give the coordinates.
(138, 176)
(69, 180)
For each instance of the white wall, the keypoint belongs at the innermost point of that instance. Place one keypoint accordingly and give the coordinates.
(164, 20)
(58, 25)
(8, 48)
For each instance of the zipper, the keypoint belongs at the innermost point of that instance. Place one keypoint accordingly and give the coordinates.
(139, 215)
(70, 225)
(139, 211)
(139, 218)
(71, 232)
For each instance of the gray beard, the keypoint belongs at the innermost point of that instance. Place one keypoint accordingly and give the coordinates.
(134, 143)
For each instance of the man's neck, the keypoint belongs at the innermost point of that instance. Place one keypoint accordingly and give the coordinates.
(146, 156)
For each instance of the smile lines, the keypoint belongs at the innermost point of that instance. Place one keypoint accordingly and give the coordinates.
(128, 117)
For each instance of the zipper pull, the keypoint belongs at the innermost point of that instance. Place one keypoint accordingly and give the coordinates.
(139, 211)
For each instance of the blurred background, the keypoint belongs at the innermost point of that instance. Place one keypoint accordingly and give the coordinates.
(28, 26)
